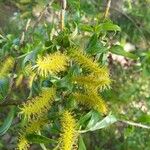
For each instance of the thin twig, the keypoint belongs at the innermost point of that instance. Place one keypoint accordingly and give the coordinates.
(139, 125)
(15, 103)
(62, 15)
(107, 9)
(135, 124)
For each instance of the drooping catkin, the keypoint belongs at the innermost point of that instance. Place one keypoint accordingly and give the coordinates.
(7, 66)
(34, 126)
(68, 133)
(23, 143)
(92, 82)
(38, 105)
(52, 64)
(92, 100)
(87, 63)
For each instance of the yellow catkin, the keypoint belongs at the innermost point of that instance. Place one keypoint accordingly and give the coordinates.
(68, 132)
(7, 66)
(87, 63)
(23, 143)
(92, 82)
(52, 64)
(32, 127)
(38, 105)
(35, 125)
(91, 100)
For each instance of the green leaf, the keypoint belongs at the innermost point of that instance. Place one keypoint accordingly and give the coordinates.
(86, 28)
(25, 1)
(108, 26)
(81, 144)
(8, 121)
(85, 118)
(95, 46)
(118, 50)
(65, 83)
(94, 119)
(144, 118)
(30, 56)
(34, 138)
(75, 32)
(4, 86)
(63, 39)
(107, 121)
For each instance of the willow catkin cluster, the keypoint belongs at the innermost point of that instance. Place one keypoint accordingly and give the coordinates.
(92, 100)
(39, 105)
(35, 110)
(32, 127)
(7, 66)
(87, 63)
(68, 131)
(92, 81)
(96, 79)
(35, 125)
(52, 64)
(23, 143)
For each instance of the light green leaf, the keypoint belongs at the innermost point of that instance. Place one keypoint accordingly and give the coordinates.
(87, 28)
(108, 26)
(30, 56)
(118, 50)
(75, 32)
(95, 117)
(107, 121)
(81, 144)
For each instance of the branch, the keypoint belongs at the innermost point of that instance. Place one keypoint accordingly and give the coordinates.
(62, 16)
(15, 103)
(135, 124)
(107, 9)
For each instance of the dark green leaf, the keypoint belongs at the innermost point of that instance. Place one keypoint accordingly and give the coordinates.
(7, 122)
(34, 138)
(4, 86)
(95, 46)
